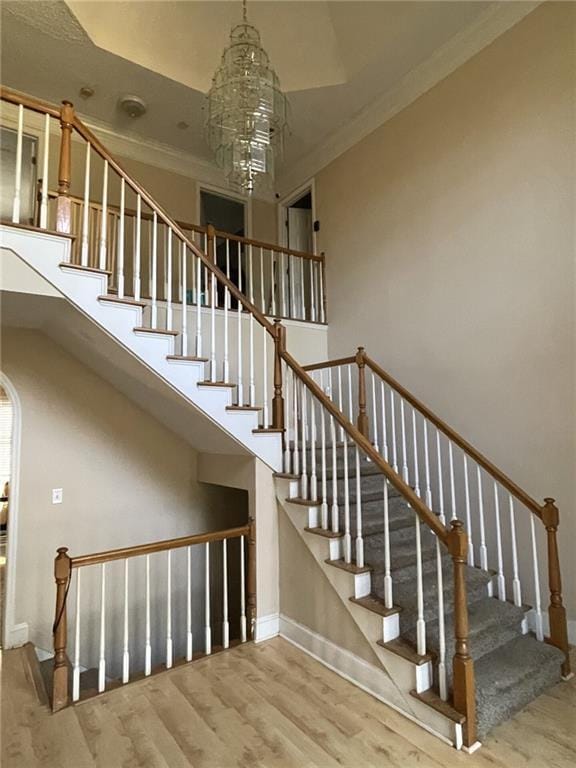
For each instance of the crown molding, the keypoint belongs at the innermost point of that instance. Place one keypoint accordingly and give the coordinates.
(492, 23)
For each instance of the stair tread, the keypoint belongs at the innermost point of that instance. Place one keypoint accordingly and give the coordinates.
(375, 604)
(216, 384)
(68, 265)
(125, 300)
(191, 358)
(241, 408)
(511, 676)
(402, 648)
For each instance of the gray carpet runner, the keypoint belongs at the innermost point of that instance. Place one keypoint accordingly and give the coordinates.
(511, 668)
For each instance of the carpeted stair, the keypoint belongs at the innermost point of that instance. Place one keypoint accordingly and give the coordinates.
(511, 668)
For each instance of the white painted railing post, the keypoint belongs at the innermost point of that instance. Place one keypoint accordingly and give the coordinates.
(18, 176)
(207, 624)
(126, 650)
(45, 159)
(104, 222)
(102, 658)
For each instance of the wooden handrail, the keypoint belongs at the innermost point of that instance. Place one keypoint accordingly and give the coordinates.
(29, 102)
(425, 514)
(157, 546)
(330, 364)
(458, 440)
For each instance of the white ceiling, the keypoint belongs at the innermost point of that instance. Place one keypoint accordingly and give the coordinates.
(334, 59)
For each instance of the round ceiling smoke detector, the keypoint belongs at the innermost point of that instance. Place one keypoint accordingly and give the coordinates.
(133, 106)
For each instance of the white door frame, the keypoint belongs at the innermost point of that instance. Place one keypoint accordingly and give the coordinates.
(15, 635)
(285, 202)
(246, 201)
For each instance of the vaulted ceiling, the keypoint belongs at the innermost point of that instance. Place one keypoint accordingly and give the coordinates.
(334, 59)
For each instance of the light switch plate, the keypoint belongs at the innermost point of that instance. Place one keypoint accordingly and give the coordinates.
(56, 495)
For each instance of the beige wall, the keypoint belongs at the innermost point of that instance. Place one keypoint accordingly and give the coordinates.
(126, 480)
(449, 235)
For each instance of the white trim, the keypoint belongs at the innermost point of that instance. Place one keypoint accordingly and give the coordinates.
(346, 664)
(14, 634)
(223, 192)
(286, 201)
(267, 627)
(497, 19)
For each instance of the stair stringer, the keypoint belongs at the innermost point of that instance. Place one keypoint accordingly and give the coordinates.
(399, 676)
(47, 255)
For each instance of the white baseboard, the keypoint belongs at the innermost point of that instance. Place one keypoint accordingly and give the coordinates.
(16, 636)
(346, 664)
(267, 627)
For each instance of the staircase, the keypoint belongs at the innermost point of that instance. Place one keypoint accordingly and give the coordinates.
(433, 551)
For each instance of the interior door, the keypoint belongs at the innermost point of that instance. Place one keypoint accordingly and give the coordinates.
(300, 239)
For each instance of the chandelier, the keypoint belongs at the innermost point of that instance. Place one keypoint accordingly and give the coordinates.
(247, 111)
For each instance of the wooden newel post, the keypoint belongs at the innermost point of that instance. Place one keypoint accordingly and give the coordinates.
(63, 204)
(62, 571)
(464, 688)
(278, 400)
(556, 610)
(362, 421)
(251, 580)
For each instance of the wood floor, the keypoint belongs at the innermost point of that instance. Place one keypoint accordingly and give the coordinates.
(258, 705)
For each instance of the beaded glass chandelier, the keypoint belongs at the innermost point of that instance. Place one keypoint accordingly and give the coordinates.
(247, 111)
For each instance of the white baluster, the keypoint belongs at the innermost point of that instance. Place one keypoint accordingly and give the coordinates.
(483, 549)
(213, 301)
(169, 318)
(18, 177)
(313, 475)
(312, 291)
(226, 364)
(321, 300)
(334, 509)
(242, 591)
(154, 272)
(324, 507)
(304, 487)
(452, 487)
(252, 382)
(350, 407)
(536, 570)
(374, 413)
(169, 643)
(76, 665)
(283, 282)
(388, 600)
(125, 650)
(500, 579)
(104, 221)
(442, 681)
(420, 623)
(347, 522)
(415, 444)
(184, 284)
(102, 658)
(207, 625)
(302, 298)
(405, 474)
(440, 479)
(120, 256)
(240, 384)
(359, 539)
(189, 636)
(147, 644)
(340, 397)
(137, 247)
(468, 514)
(295, 452)
(516, 591)
(265, 420)
(225, 622)
(86, 210)
(45, 158)
(393, 425)
(199, 294)
(428, 493)
(287, 418)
